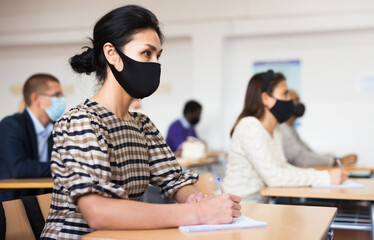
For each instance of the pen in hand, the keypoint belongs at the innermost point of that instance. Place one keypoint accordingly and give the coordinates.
(344, 174)
(220, 185)
(236, 199)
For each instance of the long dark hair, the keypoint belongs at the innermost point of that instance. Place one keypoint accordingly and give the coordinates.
(253, 105)
(116, 27)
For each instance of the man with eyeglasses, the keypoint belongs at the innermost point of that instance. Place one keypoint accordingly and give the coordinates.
(26, 138)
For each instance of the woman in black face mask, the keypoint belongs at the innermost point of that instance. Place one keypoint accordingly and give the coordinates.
(297, 151)
(256, 157)
(104, 156)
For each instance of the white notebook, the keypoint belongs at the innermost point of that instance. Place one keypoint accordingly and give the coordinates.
(240, 222)
(346, 184)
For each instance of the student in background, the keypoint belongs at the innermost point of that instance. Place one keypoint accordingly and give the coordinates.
(25, 138)
(296, 150)
(104, 156)
(184, 127)
(256, 157)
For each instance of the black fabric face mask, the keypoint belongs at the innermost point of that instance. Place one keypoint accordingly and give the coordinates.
(299, 110)
(194, 121)
(138, 79)
(282, 110)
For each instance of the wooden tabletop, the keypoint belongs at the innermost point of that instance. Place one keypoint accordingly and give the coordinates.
(216, 154)
(284, 222)
(348, 168)
(200, 162)
(210, 158)
(24, 183)
(365, 193)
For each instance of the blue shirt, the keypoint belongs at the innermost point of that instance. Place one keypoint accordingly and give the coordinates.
(185, 123)
(178, 132)
(42, 134)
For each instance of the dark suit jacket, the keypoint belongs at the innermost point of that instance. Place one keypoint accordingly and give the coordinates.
(19, 157)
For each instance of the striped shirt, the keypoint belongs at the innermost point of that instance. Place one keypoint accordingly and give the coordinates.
(97, 152)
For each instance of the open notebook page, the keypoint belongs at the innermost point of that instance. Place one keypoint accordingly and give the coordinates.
(240, 222)
(346, 184)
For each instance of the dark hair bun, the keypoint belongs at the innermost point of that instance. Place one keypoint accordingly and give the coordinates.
(83, 63)
(116, 27)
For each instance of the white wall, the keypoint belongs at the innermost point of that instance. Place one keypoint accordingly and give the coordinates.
(176, 66)
(338, 118)
(17, 63)
(209, 52)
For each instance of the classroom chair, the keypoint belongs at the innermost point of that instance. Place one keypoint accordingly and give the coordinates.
(15, 220)
(205, 184)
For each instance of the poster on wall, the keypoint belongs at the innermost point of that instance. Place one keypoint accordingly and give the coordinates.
(365, 84)
(290, 68)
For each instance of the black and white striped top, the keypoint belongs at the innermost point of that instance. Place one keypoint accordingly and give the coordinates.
(97, 152)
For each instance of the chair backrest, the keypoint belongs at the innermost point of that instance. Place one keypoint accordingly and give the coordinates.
(44, 203)
(205, 184)
(17, 222)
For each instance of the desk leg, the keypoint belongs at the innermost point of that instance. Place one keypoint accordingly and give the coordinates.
(372, 220)
(330, 234)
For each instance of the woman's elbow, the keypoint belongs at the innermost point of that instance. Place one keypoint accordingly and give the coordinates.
(273, 182)
(94, 223)
(91, 211)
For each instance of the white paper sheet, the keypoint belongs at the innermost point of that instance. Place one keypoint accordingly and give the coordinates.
(240, 222)
(346, 184)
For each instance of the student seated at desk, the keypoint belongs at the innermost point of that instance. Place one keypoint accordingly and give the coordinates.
(297, 152)
(184, 127)
(104, 157)
(26, 138)
(256, 157)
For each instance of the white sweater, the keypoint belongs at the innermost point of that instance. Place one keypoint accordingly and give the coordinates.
(256, 160)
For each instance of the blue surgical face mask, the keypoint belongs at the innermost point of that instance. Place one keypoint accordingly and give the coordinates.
(57, 108)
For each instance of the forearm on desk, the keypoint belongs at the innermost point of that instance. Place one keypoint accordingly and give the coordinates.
(103, 213)
(311, 159)
(184, 192)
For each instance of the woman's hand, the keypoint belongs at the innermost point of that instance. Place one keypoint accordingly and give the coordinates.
(195, 198)
(349, 159)
(338, 175)
(219, 209)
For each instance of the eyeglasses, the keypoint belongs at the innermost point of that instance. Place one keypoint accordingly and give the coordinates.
(58, 95)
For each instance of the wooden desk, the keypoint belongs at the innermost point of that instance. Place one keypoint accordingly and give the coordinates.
(348, 168)
(216, 154)
(366, 193)
(355, 171)
(357, 194)
(24, 183)
(284, 222)
(210, 158)
(200, 162)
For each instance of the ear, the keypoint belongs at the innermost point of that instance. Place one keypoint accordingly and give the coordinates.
(110, 53)
(265, 98)
(112, 56)
(34, 99)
